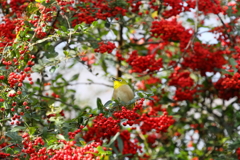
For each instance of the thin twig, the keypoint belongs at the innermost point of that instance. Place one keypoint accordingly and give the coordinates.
(3, 53)
(69, 26)
(53, 22)
(39, 21)
(9, 146)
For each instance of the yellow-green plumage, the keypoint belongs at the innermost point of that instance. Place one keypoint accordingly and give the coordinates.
(122, 91)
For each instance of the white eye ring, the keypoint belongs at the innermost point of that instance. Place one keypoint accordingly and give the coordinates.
(120, 80)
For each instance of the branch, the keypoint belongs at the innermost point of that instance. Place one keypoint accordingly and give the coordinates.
(50, 98)
(195, 28)
(53, 23)
(120, 42)
(225, 27)
(86, 83)
(92, 83)
(160, 7)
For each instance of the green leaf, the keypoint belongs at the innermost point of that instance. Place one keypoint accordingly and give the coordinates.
(77, 26)
(32, 130)
(14, 137)
(94, 24)
(5, 105)
(225, 72)
(37, 68)
(113, 139)
(51, 54)
(61, 137)
(100, 149)
(115, 149)
(89, 80)
(74, 77)
(100, 105)
(134, 100)
(108, 103)
(233, 62)
(52, 69)
(120, 144)
(103, 64)
(102, 152)
(63, 28)
(18, 128)
(94, 45)
(44, 131)
(140, 94)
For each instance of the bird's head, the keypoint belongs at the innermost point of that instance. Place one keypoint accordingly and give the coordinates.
(118, 82)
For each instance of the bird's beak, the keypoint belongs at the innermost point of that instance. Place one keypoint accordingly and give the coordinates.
(114, 79)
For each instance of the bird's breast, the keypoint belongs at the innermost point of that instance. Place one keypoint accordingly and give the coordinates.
(123, 93)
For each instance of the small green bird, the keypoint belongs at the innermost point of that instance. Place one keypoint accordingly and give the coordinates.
(122, 91)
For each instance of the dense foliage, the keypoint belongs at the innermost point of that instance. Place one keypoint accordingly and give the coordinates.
(187, 88)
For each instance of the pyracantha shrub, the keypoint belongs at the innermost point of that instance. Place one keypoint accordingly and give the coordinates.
(181, 58)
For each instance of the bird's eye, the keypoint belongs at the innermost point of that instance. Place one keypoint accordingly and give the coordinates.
(120, 80)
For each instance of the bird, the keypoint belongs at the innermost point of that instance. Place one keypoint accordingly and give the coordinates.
(122, 91)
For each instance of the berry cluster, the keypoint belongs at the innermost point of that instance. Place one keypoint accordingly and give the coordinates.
(16, 118)
(129, 147)
(68, 150)
(228, 87)
(221, 34)
(153, 80)
(129, 115)
(184, 85)
(174, 7)
(238, 152)
(119, 56)
(105, 47)
(102, 128)
(7, 31)
(160, 124)
(144, 64)
(135, 5)
(100, 9)
(210, 6)
(17, 79)
(18, 6)
(170, 30)
(4, 155)
(73, 134)
(151, 139)
(202, 54)
(89, 59)
(177, 7)
(72, 151)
